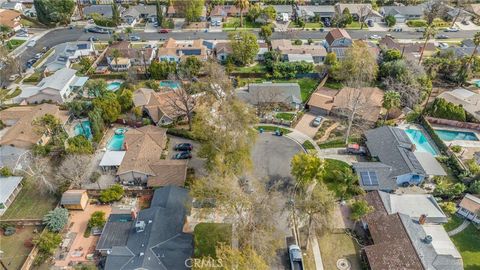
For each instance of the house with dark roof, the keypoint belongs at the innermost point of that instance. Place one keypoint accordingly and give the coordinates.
(469, 208)
(401, 241)
(360, 12)
(135, 13)
(403, 13)
(152, 239)
(287, 94)
(103, 10)
(129, 56)
(399, 164)
(309, 12)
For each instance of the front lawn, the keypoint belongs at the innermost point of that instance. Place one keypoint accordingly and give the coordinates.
(307, 86)
(34, 78)
(30, 204)
(235, 23)
(333, 84)
(16, 247)
(208, 235)
(314, 25)
(12, 44)
(335, 246)
(285, 116)
(468, 243)
(356, 25)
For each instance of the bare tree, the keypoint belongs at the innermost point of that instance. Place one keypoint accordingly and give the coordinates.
(265, 101)
(72, 170)
(217, 82)
(364, 12)
(182, 102)
(37, 169)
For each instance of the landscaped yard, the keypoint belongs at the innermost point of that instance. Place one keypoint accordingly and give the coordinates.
(468, 243)
(14, 248)
(338, 245)
(453, 223)
(273, 129)
(307, 86)
(333, 85)
(235, 23)
(285, 116)
(315, 25)
(356, 25)
(258, 68)
(12, 44)
(30, 204)
(208, 235)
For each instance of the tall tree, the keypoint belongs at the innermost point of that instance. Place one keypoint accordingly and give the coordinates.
(54, 11)
(116, 14)
(360, 208)
(391, 100)
(306, 168)
(192, 9)
(476, 41)
(266, 32)
(50, 126)
(244, 47)
(242, 5)
(159, 12)
(72, 170)
(234, 258)
(115, 54)
(182, 102)
(37, 169)
(317, 209)
(96, 87)
(430, 32)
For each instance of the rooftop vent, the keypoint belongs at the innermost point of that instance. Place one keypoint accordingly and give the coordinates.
(140, 226)
(428, 239)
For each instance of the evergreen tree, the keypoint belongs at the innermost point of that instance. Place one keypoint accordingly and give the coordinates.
(159, 13)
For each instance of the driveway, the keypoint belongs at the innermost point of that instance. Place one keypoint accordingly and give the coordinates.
(304, 125)
(271, 158)
(198, 164)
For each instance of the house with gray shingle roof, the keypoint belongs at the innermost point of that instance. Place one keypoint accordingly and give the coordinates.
(398, 165)
(287, 94)
(403, 13)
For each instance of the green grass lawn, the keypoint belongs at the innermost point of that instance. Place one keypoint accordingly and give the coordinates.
(208, 235)
(337, 143)
(12, 44)
(308, 145)
(468, 243)
(273, 129)
(34, 78)
(285, 116)
(453, 223)
(235, 23)
(307, 86)
(315, 25)
(15, 251)
(356, 25)
(338, 245)
(333, 85)
(30, 203)
(258, 68)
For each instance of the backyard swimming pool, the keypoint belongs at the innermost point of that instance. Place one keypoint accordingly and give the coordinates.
(116, 142)
(113, 86)
(452, 135)
(418, 138)
(84, 129)
(170, 84)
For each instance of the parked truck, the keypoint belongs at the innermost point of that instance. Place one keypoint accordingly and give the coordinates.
(296, 260)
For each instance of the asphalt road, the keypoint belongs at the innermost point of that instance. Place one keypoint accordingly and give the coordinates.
(59, 36)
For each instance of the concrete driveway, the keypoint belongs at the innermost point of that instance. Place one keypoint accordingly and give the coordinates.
(198, 164)
(304, 125)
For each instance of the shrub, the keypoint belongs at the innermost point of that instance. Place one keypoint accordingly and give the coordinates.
(56, 219)
(181, 133)
(448, 207)
(456, 148)
(474, 187)
(297, 42)
(114, 193)
(417, 23)
(473, 166)
(390, 20)
(47, 243)
(447, 110)
(6, 171)
(79, 145)
(97, 219)
(95, 176)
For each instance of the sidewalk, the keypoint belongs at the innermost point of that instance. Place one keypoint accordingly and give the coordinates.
(317, 256)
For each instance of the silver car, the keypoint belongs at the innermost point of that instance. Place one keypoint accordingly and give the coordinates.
(317, 121)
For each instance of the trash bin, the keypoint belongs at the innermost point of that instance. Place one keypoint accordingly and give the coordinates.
(261, 130)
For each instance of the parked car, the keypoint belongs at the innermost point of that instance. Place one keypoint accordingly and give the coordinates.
(183, 147)
(38, 55)
(13, 77)
(92, 38)
(327, 22)
(22, 34)
(375, 37)
(442, 37)
(164, 31)
(420, 30)
(31, 43)
(183, 155)
(295, 255)
(45, 49)
(370, 23)
(451, 29)
(317, 121)
(135, 38)
(356, 149)
(465, 22)
(398, 29)
(30, 62)
(443, 45)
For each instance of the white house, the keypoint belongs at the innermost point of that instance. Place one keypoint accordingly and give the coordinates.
(57, 87)
(68, 53)
(469, 208)
(13, 6)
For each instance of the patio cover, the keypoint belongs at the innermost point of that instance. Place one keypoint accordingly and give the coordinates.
(112, 158)
(79, 82)
(7, 186)
(430, 164)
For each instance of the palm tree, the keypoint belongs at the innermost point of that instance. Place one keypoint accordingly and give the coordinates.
(430, 31)
(115, 54)
(242, 5)
(128, 30)
(476, 41)
(391, 100)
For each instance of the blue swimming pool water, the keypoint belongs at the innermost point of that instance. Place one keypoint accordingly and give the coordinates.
(170, 84)
(84, 129)
(113, 86)
(418, 138)
(116, 142)
(451, 135)
(477, 83)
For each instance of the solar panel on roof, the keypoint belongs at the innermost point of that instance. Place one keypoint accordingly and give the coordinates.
(369, 178)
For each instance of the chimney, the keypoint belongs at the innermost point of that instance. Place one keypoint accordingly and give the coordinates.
(428, 239)
(422, 219)
(133, 214)
(413, 147)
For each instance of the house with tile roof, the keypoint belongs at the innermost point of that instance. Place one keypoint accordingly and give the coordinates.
(11, 18)
(174, 51)
(152, 239)
(469, 208)
(408, 49)
(129, 56)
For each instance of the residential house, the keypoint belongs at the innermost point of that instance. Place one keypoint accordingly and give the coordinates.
(338, 41)
(129, 56)
(74, 199)
(310, 12)
(142, 164)
(262, 49)
(360, 12)
(68, 53)
(325, 101)
(284, 12)
(316, 53)
(399, 164)
(103, 10)
(17, 6)
(20, 132)
(58, 87)
(469, 100)
(403, 13)
(401, 241)
(159, 106)
(222, 51)
(175, 51)
(9, 189)
(11, 18)
(408, 49)
(151, 239)
(286, 94)
(458, 14)
(171, 12)
(469, 208)
(136, 13)
(221, 12)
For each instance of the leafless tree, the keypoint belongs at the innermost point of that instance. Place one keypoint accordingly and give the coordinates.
(182, 102)
(217, 82)
(363, 13)
(73, 170)
(265, 101)
(433, 9)
(38, 170)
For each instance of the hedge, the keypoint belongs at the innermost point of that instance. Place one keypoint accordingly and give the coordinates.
(181, 133)
(338, 143)
(111, 76)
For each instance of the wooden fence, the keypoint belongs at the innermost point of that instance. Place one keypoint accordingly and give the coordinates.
(453, 123)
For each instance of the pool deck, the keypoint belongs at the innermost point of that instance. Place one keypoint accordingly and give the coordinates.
(462, 143)
(425, 133)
